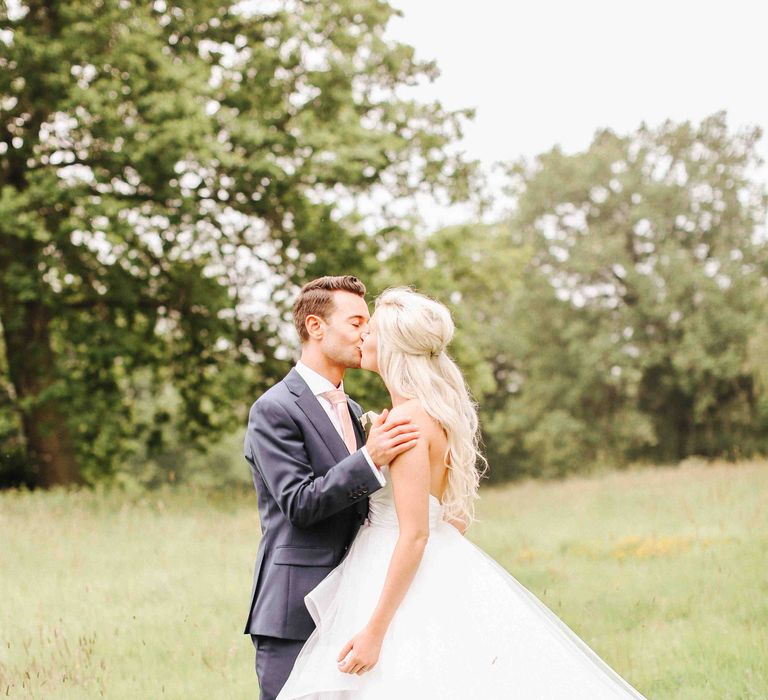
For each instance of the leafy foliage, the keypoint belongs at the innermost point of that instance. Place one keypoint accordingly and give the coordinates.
(619, 314)
(168, 174)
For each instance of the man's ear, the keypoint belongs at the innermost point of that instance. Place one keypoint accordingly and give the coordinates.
(315, 326)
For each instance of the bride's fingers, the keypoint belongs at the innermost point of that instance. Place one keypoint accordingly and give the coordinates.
(345, 650)
(350, 663)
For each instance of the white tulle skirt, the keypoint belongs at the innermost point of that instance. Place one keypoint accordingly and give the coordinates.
(465, 629)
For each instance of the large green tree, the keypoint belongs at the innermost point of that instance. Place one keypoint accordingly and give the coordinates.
(654, 244)
(169, 172)
(619, 313)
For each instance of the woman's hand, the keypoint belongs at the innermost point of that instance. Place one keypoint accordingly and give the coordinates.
(361, 653)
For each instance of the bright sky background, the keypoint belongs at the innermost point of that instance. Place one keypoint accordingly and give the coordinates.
(554, 71)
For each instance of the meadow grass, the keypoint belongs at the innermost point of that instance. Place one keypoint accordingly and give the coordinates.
(663, 571)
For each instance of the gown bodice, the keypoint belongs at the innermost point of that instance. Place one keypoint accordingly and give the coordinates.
(382, 512)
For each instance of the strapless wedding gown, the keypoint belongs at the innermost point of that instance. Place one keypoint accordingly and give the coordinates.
(466, 629)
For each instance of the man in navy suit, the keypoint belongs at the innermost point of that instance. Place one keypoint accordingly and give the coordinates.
(313, 471)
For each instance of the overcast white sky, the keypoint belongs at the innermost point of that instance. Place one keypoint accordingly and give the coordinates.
(554, 71)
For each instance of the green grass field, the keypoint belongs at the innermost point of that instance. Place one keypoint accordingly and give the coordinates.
(664, 572)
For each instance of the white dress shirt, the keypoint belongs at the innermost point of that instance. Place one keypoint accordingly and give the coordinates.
(318, 385)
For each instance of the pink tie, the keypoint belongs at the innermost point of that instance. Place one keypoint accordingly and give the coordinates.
(338, 400)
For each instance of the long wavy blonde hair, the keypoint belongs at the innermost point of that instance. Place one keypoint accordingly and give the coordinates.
(413, 333)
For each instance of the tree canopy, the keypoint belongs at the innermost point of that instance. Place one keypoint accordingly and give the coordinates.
(171, 173)
(168, 174)
(619, 313)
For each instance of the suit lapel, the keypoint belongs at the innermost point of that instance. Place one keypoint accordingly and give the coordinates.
(361, 507)
(359, 432)
(312, 409)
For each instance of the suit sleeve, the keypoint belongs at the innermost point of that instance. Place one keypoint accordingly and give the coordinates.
(277, 447)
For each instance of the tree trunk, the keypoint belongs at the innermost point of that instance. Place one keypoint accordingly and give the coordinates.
(31, 365)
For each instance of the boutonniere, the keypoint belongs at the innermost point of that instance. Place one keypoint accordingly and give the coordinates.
(366, 420)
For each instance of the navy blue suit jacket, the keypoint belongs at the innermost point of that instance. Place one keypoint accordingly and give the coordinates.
(312, 495)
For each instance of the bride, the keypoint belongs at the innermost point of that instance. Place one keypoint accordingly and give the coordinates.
(415, 610)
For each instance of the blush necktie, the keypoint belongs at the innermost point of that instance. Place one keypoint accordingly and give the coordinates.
(338, 400)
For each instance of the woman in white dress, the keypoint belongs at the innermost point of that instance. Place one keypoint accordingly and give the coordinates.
(415, 610)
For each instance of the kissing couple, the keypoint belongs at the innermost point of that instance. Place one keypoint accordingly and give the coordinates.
(364, 585)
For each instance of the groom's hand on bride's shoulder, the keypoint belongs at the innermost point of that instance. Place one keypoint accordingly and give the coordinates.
(390, 437)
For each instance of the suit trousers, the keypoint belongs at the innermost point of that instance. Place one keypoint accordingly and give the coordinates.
(274, 660)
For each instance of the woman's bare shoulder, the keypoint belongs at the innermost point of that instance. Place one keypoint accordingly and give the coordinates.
(415, 411)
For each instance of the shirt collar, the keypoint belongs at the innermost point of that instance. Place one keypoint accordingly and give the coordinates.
(317, 383)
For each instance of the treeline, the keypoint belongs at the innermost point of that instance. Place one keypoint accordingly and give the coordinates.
(621, 313)
(170, 175)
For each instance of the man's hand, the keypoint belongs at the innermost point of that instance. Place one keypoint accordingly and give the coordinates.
(389, 438)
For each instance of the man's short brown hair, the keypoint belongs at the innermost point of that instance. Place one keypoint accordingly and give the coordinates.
(316, 299)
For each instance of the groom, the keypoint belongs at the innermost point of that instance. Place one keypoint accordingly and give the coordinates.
(313, 471)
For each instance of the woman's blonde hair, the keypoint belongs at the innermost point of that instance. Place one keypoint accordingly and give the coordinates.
(413, 333)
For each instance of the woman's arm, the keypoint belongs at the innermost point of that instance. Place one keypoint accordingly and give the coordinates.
(409, 475)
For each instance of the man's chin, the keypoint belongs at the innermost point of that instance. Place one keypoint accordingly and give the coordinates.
(354, 361)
